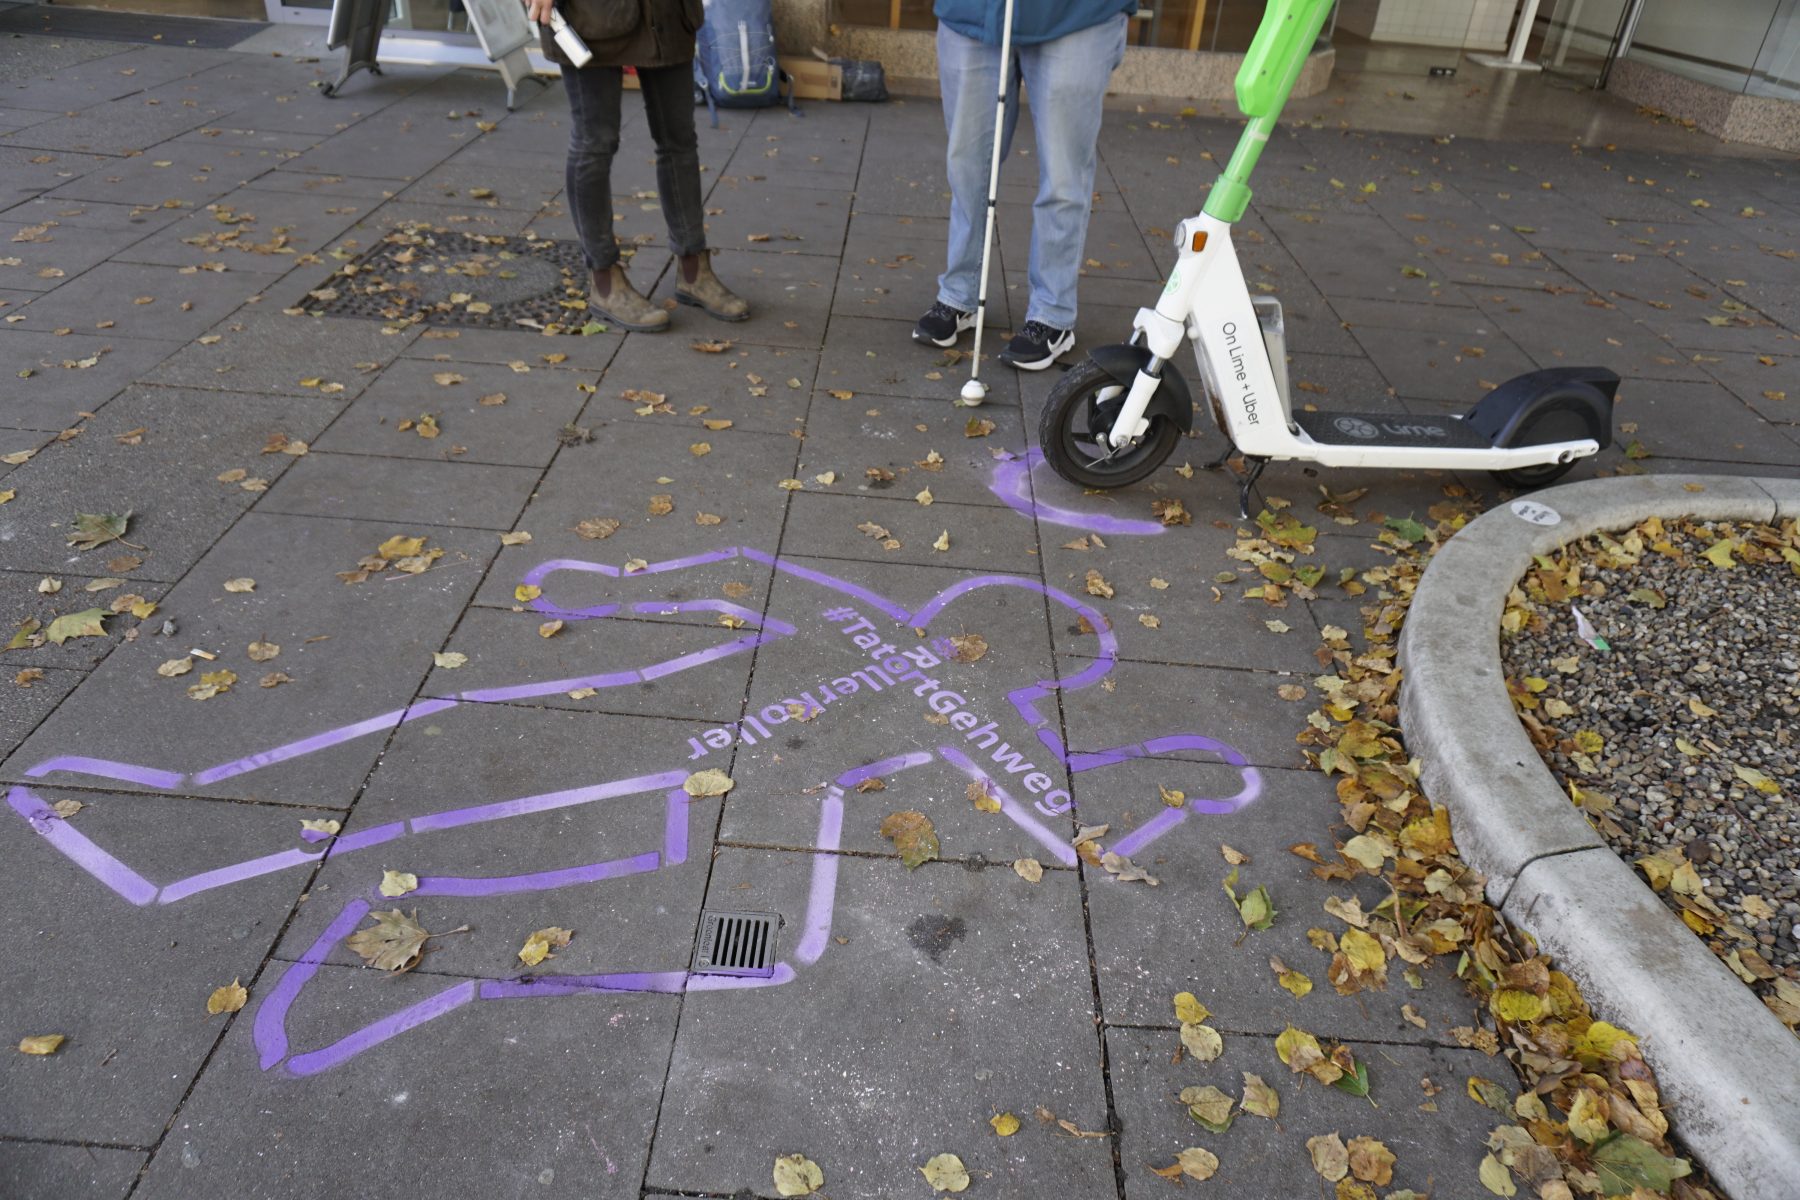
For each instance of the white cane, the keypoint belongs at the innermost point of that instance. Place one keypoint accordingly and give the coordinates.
(975, 391)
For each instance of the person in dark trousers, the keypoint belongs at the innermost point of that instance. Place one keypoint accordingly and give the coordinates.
(657, 38)
(1064, 51)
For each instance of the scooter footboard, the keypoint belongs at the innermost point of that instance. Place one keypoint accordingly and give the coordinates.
(1558, 404)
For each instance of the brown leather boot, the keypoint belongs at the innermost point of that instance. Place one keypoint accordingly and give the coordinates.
(617, 303)
(699, 287)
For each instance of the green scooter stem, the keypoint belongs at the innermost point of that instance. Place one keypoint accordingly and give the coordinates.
(1271, 68)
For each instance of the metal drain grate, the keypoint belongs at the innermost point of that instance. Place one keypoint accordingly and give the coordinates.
(439, 277)
(737, 943)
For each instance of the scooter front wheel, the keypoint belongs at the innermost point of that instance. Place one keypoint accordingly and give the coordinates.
(1072, 431)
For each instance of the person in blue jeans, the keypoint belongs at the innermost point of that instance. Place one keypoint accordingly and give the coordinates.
(1064, 51)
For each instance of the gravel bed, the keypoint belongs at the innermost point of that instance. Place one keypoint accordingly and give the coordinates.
(1703, 678)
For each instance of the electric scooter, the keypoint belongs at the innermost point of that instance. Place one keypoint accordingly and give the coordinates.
(1115, 418)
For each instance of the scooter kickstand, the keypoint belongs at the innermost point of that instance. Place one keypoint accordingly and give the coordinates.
(1247, 482)
(1226, 455)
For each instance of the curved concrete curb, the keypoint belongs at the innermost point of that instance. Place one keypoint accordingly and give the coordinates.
(1730, 1072)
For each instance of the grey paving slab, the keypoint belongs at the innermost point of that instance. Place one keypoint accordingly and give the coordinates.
(735, 482)
(1186, 623)
(422, 491)
(249, 231)
(526, 182)
(23, 706)
(73, 215)
(28, 61)
(1767, 387)
(126, 981)
(741, 1091)
(811, 220)
(120, 126)
(55, 395)
(877, 715)
(142, 301)
(708, 386)
(531, 350)
(168, 480)
(506, 650)
(388, 145)
(1437, 1147)
(340, 188)
(19, 440)
(1699, 420)
(520, 430)
(642, 918)
(22, 599)
(853, 437)
(1141, 966)
(789, 295)
(41, 255)
(890, 269)
(37, 1168)
(237, 131)
(265, 350)
(30, 173)
(352, 653)
(1152, 699)
(173, 175)
(824, 523)
(574, 1104)
(867, 355)
(457, 218)
(66, 78)
(1441, 366)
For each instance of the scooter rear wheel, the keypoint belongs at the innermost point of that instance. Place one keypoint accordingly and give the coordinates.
(1546, 426)
(1072, 429)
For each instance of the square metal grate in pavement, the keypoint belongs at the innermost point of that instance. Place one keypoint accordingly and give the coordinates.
(439, 277)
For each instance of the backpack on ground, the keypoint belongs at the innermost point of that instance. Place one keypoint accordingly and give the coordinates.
(734, 62)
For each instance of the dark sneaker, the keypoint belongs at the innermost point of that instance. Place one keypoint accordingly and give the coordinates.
(942, 325)
(1037, 346)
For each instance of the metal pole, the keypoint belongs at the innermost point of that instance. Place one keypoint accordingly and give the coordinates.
(1515, 58)
(975, 391)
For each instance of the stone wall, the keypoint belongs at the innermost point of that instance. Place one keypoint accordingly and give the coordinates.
(1732, 116)
(910, 59)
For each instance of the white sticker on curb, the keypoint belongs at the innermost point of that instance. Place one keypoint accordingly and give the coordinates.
(1537, 514)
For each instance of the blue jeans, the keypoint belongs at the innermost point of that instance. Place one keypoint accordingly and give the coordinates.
(1066, 79)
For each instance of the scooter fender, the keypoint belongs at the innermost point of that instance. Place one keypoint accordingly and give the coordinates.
(1572, 402)
(1172, 398)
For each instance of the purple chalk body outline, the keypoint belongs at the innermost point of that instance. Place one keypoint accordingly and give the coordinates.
(270, 1021)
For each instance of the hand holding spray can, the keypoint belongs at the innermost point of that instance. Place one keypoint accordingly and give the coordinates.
(568, 40)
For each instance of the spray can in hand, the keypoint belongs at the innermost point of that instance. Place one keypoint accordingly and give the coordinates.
(569, 41)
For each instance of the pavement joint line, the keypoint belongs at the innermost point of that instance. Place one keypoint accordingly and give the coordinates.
(1711, 1042)
(594, 712)
(72, 1143)
(101, 790)
(1424, 1038)
(813, 556)
(971, 863)
(1096, 996)
(712, 860)
(305, 516)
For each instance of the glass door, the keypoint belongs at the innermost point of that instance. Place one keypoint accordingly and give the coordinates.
(1582, 36)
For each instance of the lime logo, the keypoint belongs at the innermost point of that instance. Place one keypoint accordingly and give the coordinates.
(1355, 427)
(1174, 281)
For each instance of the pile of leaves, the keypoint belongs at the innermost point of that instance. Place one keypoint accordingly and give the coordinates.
(1588, 1119)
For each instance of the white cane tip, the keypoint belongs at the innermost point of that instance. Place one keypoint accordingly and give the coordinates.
(973, 393)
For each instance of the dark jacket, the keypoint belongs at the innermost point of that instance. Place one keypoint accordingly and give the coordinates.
(1034, 21)
(631, 33)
